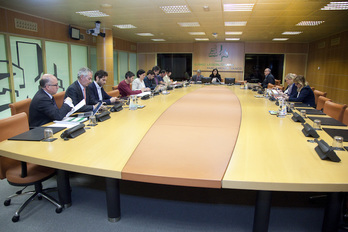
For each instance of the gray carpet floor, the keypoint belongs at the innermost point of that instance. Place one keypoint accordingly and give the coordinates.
(150, 207)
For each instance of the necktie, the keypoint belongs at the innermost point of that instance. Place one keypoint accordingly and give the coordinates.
(84, 93)
(54, 102)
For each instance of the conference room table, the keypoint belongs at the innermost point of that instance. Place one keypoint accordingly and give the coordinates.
(197, 136)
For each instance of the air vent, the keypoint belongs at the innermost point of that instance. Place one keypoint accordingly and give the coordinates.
(321, 45)
(25, 25)
(335, 41)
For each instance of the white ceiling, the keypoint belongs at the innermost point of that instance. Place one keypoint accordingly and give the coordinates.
(268, 19)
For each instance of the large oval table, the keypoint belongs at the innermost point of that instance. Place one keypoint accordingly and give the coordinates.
(200, 136)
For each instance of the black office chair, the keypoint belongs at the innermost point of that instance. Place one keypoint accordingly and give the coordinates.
(21, 173)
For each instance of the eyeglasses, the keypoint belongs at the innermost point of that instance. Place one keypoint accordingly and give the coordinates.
(54, 85)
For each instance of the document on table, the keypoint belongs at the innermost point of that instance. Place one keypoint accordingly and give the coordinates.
(143, 94)
(76, 108)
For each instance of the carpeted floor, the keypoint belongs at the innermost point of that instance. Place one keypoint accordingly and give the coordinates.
(150, 207)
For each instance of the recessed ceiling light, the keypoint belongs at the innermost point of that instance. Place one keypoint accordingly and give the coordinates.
(92, 13)
(175, 9)
(106, 5)
(197, 33)
(280, 39)
(309, 23)
(236, 23)
(233, 33)
(158, 40)
(201, 39)
(336, 6)
(232, 39)
(238, 7)
(145, 34)
(125, 26)
(189, 24)
(291, 32)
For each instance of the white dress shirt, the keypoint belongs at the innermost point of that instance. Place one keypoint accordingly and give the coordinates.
(137, 84)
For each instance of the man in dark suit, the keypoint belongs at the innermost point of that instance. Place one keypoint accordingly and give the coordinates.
(43, 108)
(269, 78)
(97, 91)
(79, 90)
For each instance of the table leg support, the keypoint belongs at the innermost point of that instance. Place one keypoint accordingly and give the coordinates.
(113, 199)
(332, 212)
(64, 190)
(262, 211)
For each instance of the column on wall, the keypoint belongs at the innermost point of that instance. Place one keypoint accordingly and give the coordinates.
(105, 58)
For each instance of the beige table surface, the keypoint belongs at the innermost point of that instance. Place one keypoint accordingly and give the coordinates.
(273, 154)
(102, 150)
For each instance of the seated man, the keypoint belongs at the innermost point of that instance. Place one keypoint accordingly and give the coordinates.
(166, 78)
(160, 77)
(124, 86)
(197, 77)
(269, 78)
(97, 91)
(43, 108)
(150, 80)
(79, 90)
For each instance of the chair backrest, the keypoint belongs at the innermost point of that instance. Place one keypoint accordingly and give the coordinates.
(10, 127)
(277, 82)
(114, 93)
(59, 98)
(115, 87)
(321, 102)
(270, 86)
(20, 106)
(334, 110)
(318, 93)
(345, 117)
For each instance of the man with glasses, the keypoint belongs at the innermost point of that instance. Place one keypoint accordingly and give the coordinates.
(43, 108)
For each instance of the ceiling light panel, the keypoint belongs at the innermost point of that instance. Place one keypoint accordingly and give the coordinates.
(336, 6)
(175, 9)
(201, 39)
(125, 26)
(233, 33)
(232, 39)
(291, 32)
(238, 7)
(189, 24)
(197, 33)
(158, 40)
(280, 39)
(92, 13)
(145, 34)
(309, 23)
(235, 23)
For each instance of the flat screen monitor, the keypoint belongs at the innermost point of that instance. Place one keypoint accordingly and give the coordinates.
(206, 80)
(230, 81)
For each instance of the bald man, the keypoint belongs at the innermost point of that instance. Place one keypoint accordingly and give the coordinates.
(269, 78)
(43, 108)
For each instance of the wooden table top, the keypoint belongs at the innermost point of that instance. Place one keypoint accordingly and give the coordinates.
(270, 153)
(273, 154)
(191, 143)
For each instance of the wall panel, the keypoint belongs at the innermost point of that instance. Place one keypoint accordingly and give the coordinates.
(327, 66)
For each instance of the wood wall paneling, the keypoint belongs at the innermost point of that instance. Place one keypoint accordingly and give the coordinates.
(276, 48)
(327, 67)
(228, 58)
(146, 61)
(295, 63)
(165, 47)
(3, 20)
(123, 45)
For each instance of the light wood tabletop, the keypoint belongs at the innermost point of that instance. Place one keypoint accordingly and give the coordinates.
(102, 150)
(273, 154)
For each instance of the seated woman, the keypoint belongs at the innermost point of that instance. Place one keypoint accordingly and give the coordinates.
(304, 92)
(138, 83)
(291, 89)
(215, 76)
